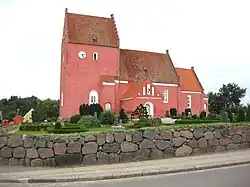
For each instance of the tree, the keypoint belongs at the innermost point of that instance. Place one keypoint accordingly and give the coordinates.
(248, 113)
(231, 95)
(123, 116)
(141, 111)
(241, 116)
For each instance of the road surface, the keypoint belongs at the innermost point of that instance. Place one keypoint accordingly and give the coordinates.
(222, 177)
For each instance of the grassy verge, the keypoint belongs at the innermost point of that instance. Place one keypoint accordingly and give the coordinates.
(162, 127)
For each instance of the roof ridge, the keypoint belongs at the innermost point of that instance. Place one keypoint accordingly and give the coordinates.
(89, 15)
(143, 51)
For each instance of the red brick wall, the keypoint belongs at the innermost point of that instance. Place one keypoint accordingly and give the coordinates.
(80, 76)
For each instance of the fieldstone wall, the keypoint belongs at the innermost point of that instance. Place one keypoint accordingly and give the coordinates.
(117, 147)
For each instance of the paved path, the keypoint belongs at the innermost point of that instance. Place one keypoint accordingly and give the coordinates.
(135, 169)
(221, 177)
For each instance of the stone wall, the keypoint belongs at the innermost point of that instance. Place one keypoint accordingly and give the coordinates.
(115, 147)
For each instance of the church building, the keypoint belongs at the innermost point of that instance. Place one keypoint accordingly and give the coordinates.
(94, 69)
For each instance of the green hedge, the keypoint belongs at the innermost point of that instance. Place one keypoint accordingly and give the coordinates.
(33, 127)
(196, 121)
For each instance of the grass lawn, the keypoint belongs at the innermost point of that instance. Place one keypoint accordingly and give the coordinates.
(162, 127)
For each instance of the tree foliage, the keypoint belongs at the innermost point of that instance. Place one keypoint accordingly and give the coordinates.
(44, 109)
(228, 96)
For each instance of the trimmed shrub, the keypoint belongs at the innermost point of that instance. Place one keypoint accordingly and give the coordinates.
(107, 118)
(177, 117)
(142, 122)
(211, 116)
(34, 127)
(187, 111)
(224, 117)
(203, 115)
(198, 121)
(84, 109)
(241, 115)
(93, 109)
(74, 119)
(58, 125)
(195, 116)
(123, 116)
(173, 111)
(156, 121)
(167, 114)
(89, 121)
(66, 130)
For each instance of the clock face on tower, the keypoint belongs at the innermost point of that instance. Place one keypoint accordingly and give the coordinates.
(82, 55)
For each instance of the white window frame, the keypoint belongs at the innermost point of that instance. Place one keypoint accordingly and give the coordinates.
(108, 108)
(205, 106)
(61, 98)
(189, 101)
(95, 54)
(148, 89)
(165, 96)
(143, 90)
(153, 91)
(93, 97)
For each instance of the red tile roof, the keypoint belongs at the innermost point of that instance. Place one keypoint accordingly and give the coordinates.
(108, 78)
(141, 65)
(94, 30)
(189, 80)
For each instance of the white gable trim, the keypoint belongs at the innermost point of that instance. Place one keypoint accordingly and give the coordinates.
(125, 99)
(108, 83)
(190, 92)
(205, 99)
(122, 82)
(164, 84)
(148, 98)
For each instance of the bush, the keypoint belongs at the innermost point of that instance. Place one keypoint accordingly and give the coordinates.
(58, 125)
(248, 113)
(74, 119)
(167, 114)
(142, 122)
(123, 116)
(89, 121)
(224, 117)
(195, 116)
(203, 115)
(173, 111)
(141, 111)
(211, 116)
(198, 121)
(33, 127)
(156, 121)
(177, 117)
(93, 109)
(187, 111)
(107, 118)
(241, 115)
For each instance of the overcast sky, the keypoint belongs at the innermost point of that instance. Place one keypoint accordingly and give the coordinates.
(211, 35)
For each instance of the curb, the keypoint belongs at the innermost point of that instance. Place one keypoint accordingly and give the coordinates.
(129, 175)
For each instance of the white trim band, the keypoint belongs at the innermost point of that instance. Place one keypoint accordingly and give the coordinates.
(122, 82)
(108, 83)
(205, 99)
(164, 84)
(148, 98)
(125, 99)
(190, 92)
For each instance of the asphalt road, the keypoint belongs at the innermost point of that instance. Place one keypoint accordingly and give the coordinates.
(222, 177)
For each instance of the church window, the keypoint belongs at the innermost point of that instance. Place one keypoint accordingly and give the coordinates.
(148, 89)
(93, 97)
(95, 56)
(165, 96)
(189, 101)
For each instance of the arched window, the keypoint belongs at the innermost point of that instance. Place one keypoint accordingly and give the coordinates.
(189, 101)
(95, 56)
(93, 97)
(107, 106)
(205, 106)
